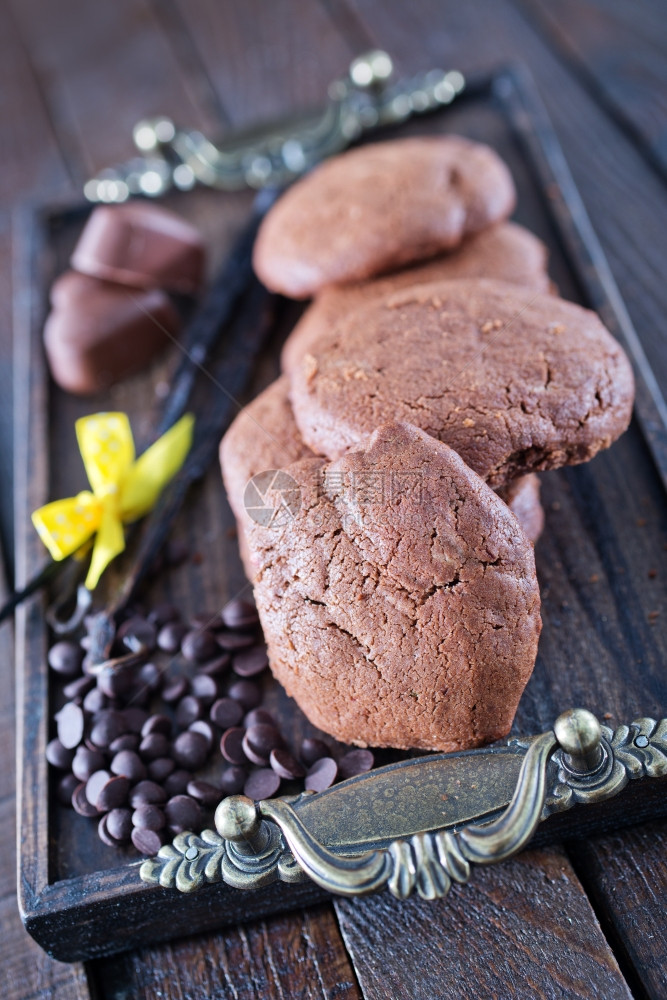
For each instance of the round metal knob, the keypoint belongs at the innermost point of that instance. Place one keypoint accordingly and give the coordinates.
(236, 818)
(579, 734)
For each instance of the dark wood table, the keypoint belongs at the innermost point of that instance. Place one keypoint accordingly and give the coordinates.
(588, 921)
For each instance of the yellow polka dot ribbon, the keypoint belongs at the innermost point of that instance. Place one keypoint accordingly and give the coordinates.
(123, 490)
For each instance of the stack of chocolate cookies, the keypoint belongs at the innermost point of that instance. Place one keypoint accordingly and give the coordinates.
(385, 485)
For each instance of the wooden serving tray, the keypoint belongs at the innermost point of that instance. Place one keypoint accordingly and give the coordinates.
(600, 561)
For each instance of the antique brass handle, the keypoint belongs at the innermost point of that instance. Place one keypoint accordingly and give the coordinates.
(419, 824)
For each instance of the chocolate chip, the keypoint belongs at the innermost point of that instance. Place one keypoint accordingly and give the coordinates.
(138, 634)
(182, 813)
(261, 784)
(226, 712)
(188, 710)
(190, 750)
(149, 677)
(107, 727)
(129, 764)
(160, 768)
(81, 804)
(177, 782)
(175, 689)
(78, 688)
(128, 741)
(147, 841)
(70, 723)
(231, 641)
(321, 775)
(66, 787)
(164, 613)
(86, 762)
(232, 780)
(239, 614)
(113, 794)
(246, 693)
(116, 683)
(58, 755)
(147, 792)
(156, 724)
(205, 620)
(148, 817)
(198, 646)
(170, 636)
(119, 824)
(259, 741)
(103, 832)
(215, 667)
(231, 746)
(206, 730)
(134, 718)
(258, 715)
(312, 749)
(65, 658)
(95, 701)
(204, 792)
(355, 762)
(95, 784)
(285, 765)
(204, 688)
(153, 746)
(250, 662)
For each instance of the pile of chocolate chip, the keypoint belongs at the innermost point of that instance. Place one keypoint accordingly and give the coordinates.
(132, 740)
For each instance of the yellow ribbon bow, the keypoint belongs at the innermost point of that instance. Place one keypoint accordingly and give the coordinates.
(123, 490)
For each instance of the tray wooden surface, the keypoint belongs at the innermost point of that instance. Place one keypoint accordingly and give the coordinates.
(606, 531)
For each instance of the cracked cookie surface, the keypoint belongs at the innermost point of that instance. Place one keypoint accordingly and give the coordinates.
(400, 604)
(378, 207)
(515, 381)
(506, 252)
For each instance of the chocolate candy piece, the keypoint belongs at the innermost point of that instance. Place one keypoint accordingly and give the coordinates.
(119, 824)
(58, 755)
(95, 701)
(246, 693)
(259, 715)
(81, 804)
(204, 792)
(147, 841)
(215, 667)
(232, 780)
(164, 613)
(113, 793)
(66, 658)
(70, 725)
(150, 677)
(141, 245)
(129, 765)
(260, 740)
(148, 817)
(153, 746)
(177, 782)
(103, 832)
(204, 688)
(312, 749)
(261, 784)
(175, 689)
(106, 728)
(156, 724)
(205, 729)
(321, 775)
(182, 813)
(147, 792)
(226, 712)
(170, 636)
(66, 788)
(188, 710)
(235, 640)
(239, 614)
(355, 762)
(128, 741)
(95, 784)
(285, 765)
(137, 633)
(135, 718)
(160, 769)
(86, 762)
(78, 688)
(98, 333)
(190, 750)
(250, 662)
(115, 683)
(199, 646)
(231, 746)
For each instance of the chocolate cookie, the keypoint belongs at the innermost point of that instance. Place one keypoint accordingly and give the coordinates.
(378, 207)
(515, 381)
(400, 602)
(507, 252)
(522, 496)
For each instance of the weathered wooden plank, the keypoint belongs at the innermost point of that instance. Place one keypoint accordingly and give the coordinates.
(300, 957)
(619, 51)
(625, 875)
(524, 929)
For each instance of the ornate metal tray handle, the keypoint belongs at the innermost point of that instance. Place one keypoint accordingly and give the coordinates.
(272, 155)
(407, 826)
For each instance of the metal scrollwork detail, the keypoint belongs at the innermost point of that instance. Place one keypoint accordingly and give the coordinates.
(580, 761)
